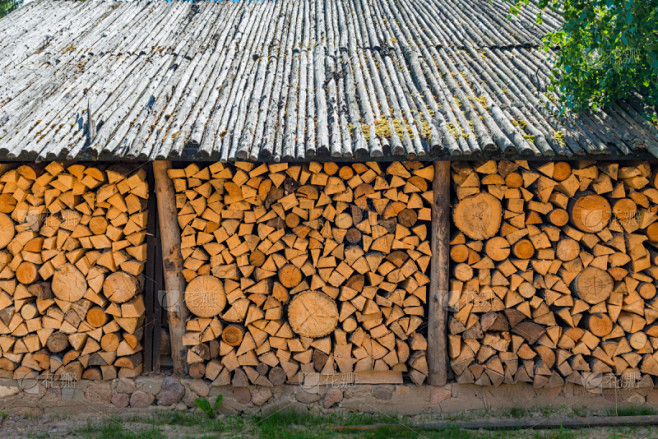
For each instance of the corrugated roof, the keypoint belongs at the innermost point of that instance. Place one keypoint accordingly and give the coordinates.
(283, 80)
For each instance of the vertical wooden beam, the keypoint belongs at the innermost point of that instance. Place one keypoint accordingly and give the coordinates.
(172, 262)
(437, 340)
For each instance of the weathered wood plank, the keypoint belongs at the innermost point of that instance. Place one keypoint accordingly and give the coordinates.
(437, 346)
(172, 262)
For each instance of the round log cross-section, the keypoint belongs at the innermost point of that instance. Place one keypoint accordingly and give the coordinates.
(497, 248)
(478, 216)
(591, 213)
(524, 249)
(568, 249)
(57, 342)
(652, 232)
(26, 273)
(312, 314)
(407, 217)
(290, 276)
(232, 335)
(69, 284)
(599, 324)
(205, 296)
(96, 317)
(594, 285)
(120, 287)
(6, 230)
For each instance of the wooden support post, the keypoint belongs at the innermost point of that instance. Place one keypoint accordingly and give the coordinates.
(172, 262)
(437, 344)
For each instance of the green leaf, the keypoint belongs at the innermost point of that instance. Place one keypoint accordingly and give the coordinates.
(218, 401)
(204, 405)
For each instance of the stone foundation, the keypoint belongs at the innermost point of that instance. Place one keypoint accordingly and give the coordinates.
(150, 392)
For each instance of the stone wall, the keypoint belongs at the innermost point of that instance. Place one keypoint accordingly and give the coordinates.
(152, 392)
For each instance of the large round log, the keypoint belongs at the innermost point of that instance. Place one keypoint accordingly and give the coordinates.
(312, 314)
(591, 213)
(205, 297)
(69, 284)
(120, 287)
(478, 216)
(6, 230)
(594, 285)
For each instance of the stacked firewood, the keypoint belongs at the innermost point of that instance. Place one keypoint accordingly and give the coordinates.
(554, 272)
(72, 250)
(293, 270)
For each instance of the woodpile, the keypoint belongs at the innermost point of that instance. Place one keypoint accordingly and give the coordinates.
(300, 269)
(72, 250)
(554, 272)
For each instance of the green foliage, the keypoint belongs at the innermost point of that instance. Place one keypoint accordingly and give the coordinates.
(632, 411)
(205, 407)
(6, 6)
(292, 425)
(114, 428)
(604, 51)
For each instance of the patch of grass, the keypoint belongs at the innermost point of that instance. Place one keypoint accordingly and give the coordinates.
(114, 428)
(631, 411)
(561, 433)
(517, 412)
(178, 418)
(579, 411)
(294, 425)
